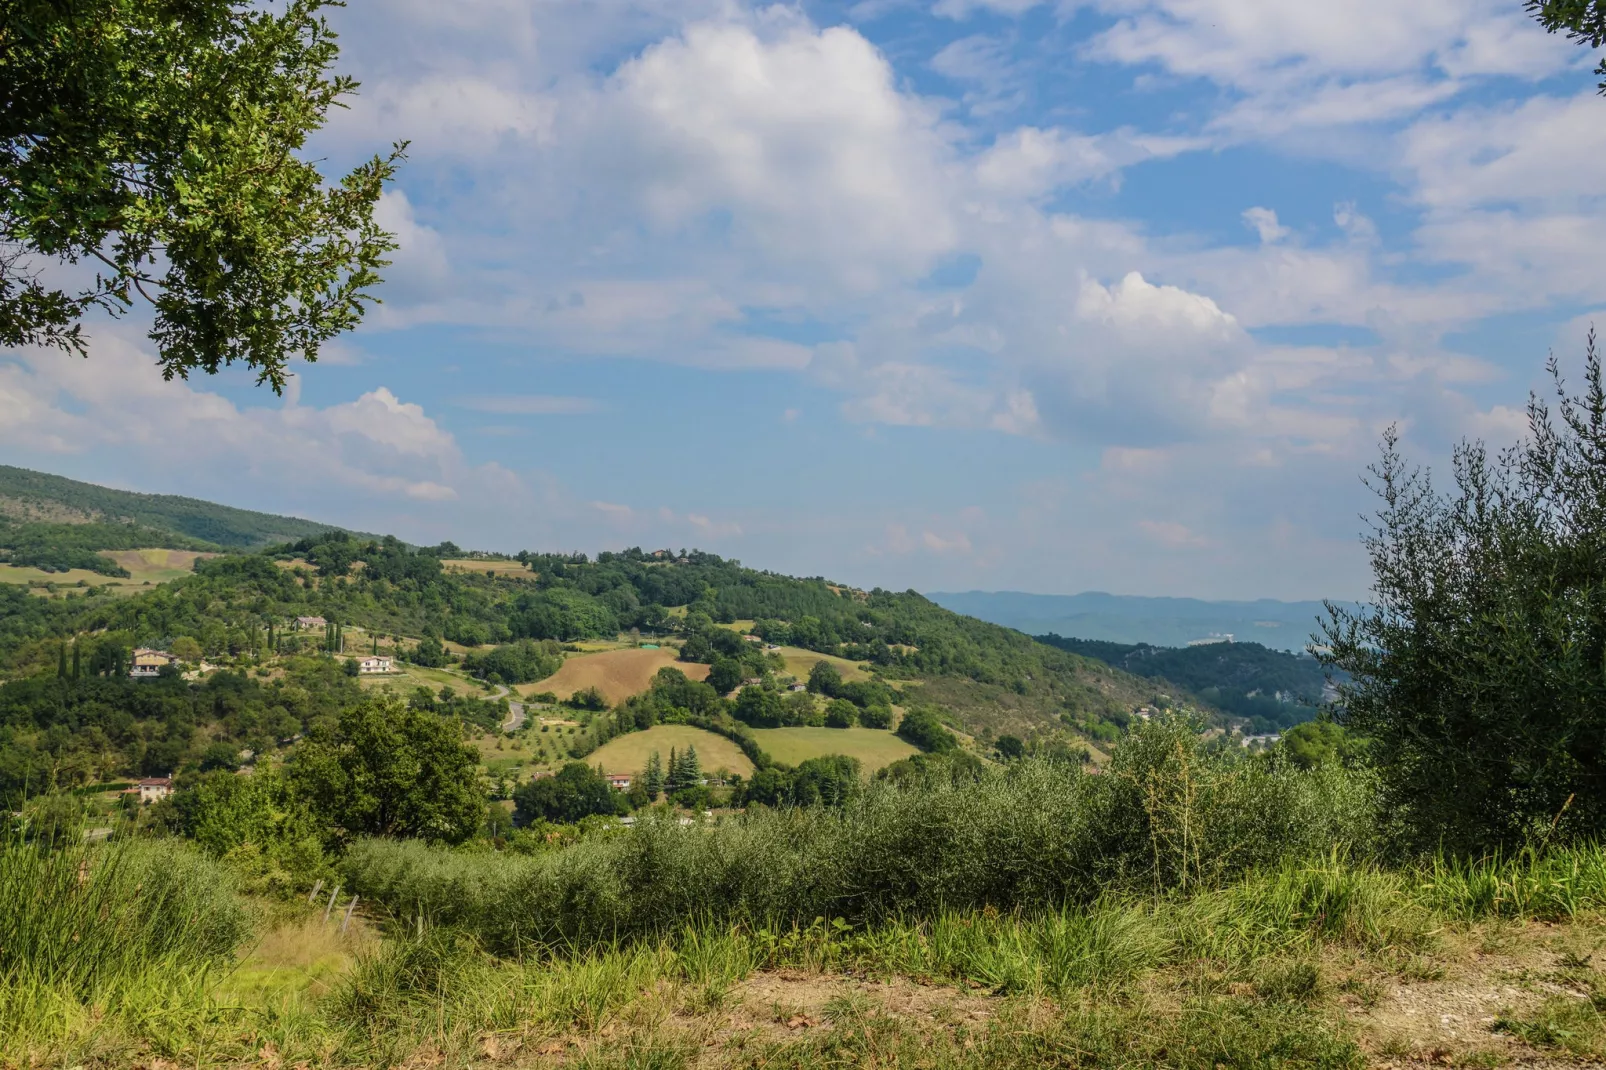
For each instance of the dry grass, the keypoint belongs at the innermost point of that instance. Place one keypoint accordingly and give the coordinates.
(301, 956)
(145, 567)
(498, 569)
(618, 674)
(628, 753)
(875, 748)
(156, 565)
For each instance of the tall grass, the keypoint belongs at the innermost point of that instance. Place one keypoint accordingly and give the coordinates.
(123, 932)
(80, 915)
(1167, 815)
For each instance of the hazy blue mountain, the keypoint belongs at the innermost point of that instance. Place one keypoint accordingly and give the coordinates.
(1131, 619)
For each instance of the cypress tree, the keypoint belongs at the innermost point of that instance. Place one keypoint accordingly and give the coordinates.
(77, 660)
(61, 662)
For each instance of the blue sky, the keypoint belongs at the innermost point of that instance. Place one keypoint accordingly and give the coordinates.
(996, 294)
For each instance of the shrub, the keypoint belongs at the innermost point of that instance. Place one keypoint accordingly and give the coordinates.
(878, 715)
(840, 713)
(921, 727)
(1167, 814)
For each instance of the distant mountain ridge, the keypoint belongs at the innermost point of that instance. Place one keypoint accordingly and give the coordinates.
(1114, 618)
(39, 496)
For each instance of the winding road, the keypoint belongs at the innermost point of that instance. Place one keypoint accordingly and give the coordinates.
(515, 710)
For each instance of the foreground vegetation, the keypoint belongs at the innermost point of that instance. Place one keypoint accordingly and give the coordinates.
(1314, 963)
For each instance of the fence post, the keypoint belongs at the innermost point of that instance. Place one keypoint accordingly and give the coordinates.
(328, 909)
(345, 921)
(316, 888)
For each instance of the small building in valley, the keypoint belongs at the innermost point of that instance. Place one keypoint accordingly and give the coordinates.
(308, 623)
(619, 781)
(375, 664)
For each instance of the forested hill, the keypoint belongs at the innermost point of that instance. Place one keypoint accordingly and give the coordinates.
(988, 678)
(26, 495)
(1273, 687)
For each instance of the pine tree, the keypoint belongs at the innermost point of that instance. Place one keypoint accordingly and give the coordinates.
(652, 779)
(671, 784)
(691, 769)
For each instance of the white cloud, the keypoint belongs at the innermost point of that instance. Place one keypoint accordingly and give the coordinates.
(1029, 162)
(1264, 222)
(799, 135)
(447, 114)
(115, 403)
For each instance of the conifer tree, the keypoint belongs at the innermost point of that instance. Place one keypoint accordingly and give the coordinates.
(77, 660)
(61, 662)
(652, 779)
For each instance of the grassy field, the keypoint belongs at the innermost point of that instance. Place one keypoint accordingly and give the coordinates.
(628, 753)
(499, 569)
(408, 677)
(873, 747)
(800, 661)
(618, 674)
(145, 567)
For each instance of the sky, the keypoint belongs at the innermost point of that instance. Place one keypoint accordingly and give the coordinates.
(942, 294)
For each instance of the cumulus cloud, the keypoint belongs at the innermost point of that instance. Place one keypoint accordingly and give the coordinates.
(115, 403)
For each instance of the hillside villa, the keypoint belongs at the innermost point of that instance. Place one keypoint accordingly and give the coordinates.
(307, 623)
(148, 663)
(619, 781)
(151, 789)
(371, 665)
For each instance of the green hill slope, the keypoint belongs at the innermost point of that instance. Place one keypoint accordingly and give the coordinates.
(1273, 688)
(39, 496)
(505, 625)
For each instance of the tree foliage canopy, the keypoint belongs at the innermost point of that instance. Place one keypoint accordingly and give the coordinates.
(1582, 21)
(1480, 665)
(159, 139)
(386, 769)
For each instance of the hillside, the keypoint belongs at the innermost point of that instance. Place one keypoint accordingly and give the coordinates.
(1131, 620)
(1273, 688)
(27, 495)
(558, 628)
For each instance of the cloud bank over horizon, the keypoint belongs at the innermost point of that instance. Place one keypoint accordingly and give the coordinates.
(973, 294)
